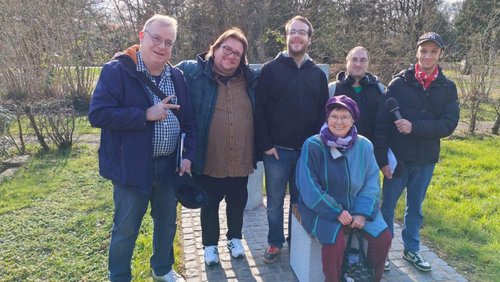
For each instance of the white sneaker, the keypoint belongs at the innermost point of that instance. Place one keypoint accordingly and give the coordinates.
(211, 255)
(236, 248)
(172, 276)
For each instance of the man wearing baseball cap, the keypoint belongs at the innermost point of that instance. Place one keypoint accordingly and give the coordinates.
(429, 111)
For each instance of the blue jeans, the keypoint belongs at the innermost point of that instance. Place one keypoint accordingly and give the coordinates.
(416, 179)
(278, 174)
(130, 207)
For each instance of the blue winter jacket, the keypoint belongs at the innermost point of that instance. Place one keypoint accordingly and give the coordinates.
(330, 181)
(203, 89)
(118, 106)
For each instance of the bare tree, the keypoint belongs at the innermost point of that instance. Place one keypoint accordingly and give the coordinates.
(477, 86)
(496, 125)
(49, 46)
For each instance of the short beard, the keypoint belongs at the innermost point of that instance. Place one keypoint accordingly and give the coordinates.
(296, 54)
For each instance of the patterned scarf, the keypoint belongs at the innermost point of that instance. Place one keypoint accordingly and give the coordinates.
(341, 143)
(424, 78)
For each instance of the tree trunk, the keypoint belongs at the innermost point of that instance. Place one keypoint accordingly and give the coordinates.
(466, 66)
(474, 106)
(495, 127)
(39, 136)
(22, 148)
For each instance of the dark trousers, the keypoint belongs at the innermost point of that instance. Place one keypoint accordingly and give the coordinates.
(332, 255)
(234, 191)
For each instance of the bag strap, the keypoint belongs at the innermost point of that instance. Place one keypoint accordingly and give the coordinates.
(357, 234)
(361, 248)
(349, 239)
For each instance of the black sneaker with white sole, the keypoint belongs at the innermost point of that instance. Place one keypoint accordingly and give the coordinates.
(417, 260)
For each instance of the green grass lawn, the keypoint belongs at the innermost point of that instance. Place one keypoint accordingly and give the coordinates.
(462, 207)
(56, 214)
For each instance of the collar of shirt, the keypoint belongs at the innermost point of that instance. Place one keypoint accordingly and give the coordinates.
(141, 67)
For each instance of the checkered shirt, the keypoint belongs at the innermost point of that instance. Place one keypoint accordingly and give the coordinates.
(166, 131)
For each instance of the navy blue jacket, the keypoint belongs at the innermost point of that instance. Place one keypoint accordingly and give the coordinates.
(433, 112)
(118, 106)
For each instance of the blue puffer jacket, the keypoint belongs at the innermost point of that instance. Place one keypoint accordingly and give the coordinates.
(118, 107)
(203, 89)
(330, 181)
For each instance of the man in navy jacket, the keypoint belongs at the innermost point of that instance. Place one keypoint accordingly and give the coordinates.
(139, 140)
(429, 111)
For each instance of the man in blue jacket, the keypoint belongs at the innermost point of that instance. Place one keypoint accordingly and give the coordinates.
(429, 111)
(291, 94)
(139, 139)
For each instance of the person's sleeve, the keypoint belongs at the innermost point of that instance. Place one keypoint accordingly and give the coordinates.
(323, 99)
(308, 184)
(384, 124)
(367, 201)
(445, 124)
(107, 109)
(262, 131)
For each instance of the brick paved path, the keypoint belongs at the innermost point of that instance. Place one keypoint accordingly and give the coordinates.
(252, 267)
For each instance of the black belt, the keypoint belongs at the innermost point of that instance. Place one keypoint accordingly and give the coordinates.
(163, 156)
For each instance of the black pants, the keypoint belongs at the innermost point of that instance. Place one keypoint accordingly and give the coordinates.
(234, 191)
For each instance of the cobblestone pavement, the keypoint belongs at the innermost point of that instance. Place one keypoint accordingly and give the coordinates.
(253, 268)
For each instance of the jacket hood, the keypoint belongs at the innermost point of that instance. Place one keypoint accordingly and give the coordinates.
(368, 79)
(284, 58)
(132, 52)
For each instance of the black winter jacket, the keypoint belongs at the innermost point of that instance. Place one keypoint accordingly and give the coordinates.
(433, 112)
(290, 103)
(368, 100)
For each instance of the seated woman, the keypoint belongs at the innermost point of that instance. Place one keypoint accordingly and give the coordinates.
(339, 187)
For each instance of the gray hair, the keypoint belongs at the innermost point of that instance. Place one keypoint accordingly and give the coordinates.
(165, 20)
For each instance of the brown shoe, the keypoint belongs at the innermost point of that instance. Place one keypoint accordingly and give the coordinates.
(271, 254)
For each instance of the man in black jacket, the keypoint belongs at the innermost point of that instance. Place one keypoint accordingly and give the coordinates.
(361, 86)
(291, 95)
(428, 105)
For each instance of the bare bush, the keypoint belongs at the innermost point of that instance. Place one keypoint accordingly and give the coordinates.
(477, 86)
(10, 116)
(48, 56)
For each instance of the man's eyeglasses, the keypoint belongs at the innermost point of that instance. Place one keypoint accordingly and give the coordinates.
(157, 40)
(228, 51)
(300, 32)
(361, 61)
(343, 119)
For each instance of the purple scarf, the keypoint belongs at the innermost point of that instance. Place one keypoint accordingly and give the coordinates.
(342, 143)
